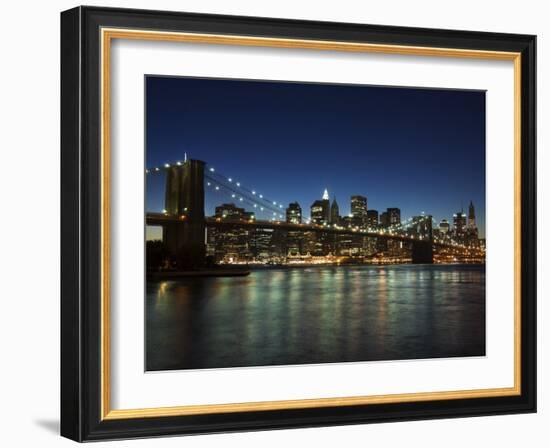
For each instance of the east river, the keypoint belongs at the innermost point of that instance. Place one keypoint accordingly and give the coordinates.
(316, 315)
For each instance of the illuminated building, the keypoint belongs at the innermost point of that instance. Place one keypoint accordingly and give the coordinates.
(230, 212)
(231, 244)
(472, 237)
(459, 225)
(444, 227)
(372, 219)
(384, 219)
(334, 212)
(394, 216)
(471, 216)
(359, 210)
(320, 210)
(294, 213)
(261, 241)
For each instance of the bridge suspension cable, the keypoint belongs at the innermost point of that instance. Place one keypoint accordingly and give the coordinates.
(262, 205)
(255, 197)
(218, 182)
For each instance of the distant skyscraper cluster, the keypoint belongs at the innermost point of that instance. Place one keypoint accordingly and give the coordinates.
(464, 228)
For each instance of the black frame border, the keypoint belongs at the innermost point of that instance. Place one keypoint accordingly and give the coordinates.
(81, 223)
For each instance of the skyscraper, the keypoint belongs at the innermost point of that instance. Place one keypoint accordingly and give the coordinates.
(294, 213)
(394, 216)
(372, 218)
(471, 216)
(471, 229)
(334, 212)
(232, 244)
(384, 219)
(459, 225)
(359, 210)
(444, 227)
(320, 210)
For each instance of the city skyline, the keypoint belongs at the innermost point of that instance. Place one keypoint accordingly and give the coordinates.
(176, 115)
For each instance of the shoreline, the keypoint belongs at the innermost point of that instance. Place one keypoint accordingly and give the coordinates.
(245, 270)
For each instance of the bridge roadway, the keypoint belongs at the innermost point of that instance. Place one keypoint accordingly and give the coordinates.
(159, 219)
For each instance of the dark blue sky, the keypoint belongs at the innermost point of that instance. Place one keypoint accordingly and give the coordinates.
(422, 150)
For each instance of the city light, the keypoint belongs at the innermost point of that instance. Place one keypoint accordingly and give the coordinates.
(387, 239)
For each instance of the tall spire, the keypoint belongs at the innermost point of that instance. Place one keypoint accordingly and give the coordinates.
(325, 195)
(471, 215)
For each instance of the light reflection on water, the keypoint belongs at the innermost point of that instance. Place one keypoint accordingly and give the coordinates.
(316, 315)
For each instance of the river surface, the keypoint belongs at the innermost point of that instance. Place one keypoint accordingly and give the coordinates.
(316, 315)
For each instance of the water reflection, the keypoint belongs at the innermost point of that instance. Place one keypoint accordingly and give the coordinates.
(316, 315)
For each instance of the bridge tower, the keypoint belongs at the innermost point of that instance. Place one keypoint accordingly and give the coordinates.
(422, 251)
(184, 197)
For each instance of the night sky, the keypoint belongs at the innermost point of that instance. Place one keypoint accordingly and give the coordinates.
(422, 150)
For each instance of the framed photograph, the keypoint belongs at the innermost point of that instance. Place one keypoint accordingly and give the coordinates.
(275, 224)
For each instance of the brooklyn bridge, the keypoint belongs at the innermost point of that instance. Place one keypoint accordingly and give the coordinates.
(185, 226)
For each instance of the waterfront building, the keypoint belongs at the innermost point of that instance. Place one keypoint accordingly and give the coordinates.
(384, 219)
(444, 227)
(472, 237)
(261, 244)
(394, 216)
(320, 210)
(230, 212)
(459, 225)
(471, 216)
(294, 213)
(359, 210)
(372, 219)
(334, 213)
(232, 244)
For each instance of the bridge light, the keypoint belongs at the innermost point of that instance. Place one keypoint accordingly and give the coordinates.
(178, 163)
(261, 196)
(166, 165)
(157, 169)
(233, 195)
(211, 170)
(255, 205)
(164, 210)
(238, 184)
(230, 180)
(253, 192)
(261, 208)
(208, 183)
(240, 199)
(146, 171)
(217, 188)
